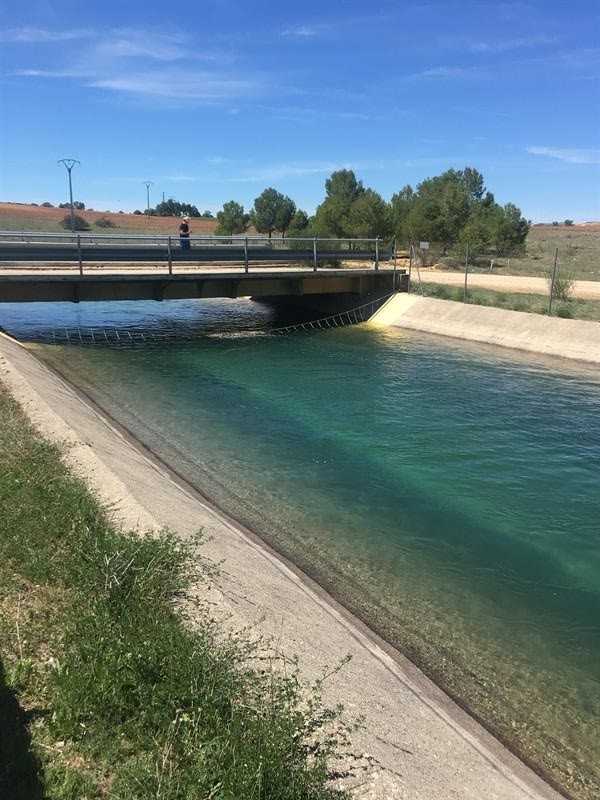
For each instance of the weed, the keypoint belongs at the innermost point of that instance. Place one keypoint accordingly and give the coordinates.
(132, 702)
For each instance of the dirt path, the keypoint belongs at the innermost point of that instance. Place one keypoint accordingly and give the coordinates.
(585, 290)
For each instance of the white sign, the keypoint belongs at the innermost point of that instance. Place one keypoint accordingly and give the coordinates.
(424, 245)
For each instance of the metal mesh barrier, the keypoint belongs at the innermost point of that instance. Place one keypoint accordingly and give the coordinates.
(132, 336)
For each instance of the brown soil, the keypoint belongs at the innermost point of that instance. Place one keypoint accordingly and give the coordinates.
(38, 217)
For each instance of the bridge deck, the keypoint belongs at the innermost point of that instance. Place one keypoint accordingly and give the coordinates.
(40, 284)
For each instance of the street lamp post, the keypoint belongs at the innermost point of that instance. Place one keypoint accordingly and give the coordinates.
(148, 184)
(68, 164)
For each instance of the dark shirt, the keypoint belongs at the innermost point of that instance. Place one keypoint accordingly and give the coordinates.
(184, 229)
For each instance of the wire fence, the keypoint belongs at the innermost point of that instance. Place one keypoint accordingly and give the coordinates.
(132, 336)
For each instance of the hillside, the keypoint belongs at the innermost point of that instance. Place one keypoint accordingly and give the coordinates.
(20, 216)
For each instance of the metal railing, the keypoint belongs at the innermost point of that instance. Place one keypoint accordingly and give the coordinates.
(79, 248)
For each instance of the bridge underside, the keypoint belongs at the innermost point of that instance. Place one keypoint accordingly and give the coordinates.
(85, 288)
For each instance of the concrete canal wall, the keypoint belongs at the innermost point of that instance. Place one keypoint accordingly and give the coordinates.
(567, 338)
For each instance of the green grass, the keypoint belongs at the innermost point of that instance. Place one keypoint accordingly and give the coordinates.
(106, 691)
(513, 301)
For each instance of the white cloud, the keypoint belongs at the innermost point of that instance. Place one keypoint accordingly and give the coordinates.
(28, 35)
(295, 170)
(50, 73)
(179, 85)
(302, 31)
(447, 72)
(505, 45)
(571, 155)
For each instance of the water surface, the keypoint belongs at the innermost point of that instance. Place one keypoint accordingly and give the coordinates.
(447, 493)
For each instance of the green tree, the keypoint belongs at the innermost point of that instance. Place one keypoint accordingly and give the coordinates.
(207, 215)
(344, 185)
(173, 208)
(400, 207)
(232, 219)
(341, 189)
(511, 230)
(270, 211)
(476, 235)
(440, 210)
(285, 214)
(473, 183)
(299, 221)
(569, 222)
(369, 216)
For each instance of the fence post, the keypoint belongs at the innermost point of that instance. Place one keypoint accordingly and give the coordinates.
(552, 282)
(315, 260)
(466, 272)
(377, 253)
(170, 256)
(79, 254)
(246, 265)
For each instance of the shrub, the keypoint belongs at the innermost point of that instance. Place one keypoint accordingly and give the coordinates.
(563, 287)
(79, 223)
(47, 205)
(104, 222)
(137, 212)
(569, 222)
(565, 312)
(555, 224)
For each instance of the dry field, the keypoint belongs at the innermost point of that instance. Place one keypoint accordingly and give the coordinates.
(22, 217)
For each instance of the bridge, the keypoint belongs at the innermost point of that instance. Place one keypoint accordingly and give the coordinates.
(37, 267)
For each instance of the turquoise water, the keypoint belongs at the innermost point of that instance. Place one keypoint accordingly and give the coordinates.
(447, 493)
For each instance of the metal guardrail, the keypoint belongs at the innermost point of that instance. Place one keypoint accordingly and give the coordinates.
(79, 248)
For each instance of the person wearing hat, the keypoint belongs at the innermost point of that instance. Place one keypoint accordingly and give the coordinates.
(184, 233)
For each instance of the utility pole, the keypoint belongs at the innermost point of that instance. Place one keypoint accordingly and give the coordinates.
(68, 164)
(552, 282)
(148, 184)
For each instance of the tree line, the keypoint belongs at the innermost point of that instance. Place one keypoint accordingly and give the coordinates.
(453, 210)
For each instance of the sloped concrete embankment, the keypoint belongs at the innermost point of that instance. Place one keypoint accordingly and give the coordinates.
(567, 338)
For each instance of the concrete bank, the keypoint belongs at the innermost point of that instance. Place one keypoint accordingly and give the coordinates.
(417, 745)
(567, 338)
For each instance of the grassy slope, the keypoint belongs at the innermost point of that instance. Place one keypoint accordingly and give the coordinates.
(513, 301)
(104, 691)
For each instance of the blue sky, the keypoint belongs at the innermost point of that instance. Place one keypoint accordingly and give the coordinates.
(217, 100)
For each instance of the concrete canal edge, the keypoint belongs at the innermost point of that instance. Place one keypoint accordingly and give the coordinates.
(518, 330)
(417, 743)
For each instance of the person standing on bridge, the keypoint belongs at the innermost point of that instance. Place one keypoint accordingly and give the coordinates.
(184, 233)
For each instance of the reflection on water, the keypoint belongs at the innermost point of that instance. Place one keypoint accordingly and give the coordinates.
(448, 493)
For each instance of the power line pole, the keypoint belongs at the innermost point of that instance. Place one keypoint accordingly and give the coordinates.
(68, 164)
(148, 184)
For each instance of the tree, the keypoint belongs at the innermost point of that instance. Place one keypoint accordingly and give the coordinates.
(285, 214)
(341, 190)
(76, 204)
(232, 219)
(173, 208)
(476, 235)
(369, 216)
(511, 230)
(272, 211)
(137, 212)
(400, 207)
(474, 183)
(343, 185)
(569, 222)
(47, 205)
(207, 215)
(299, 222)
